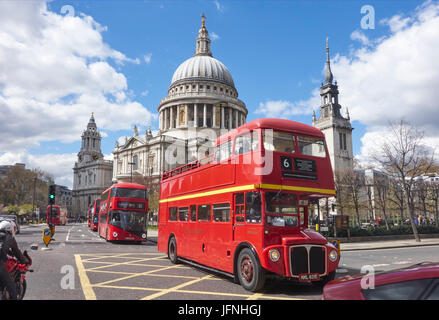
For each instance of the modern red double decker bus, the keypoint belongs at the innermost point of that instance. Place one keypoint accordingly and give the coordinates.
(94, 214)
(243, 210)
(58, 215)
(123, 213)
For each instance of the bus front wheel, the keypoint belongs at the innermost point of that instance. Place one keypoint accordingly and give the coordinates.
(172, 250)
(250, 273)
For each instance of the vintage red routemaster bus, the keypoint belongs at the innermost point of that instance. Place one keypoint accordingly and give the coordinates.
(123, 213)
(94, 214)
(58, 216)
(243, 210)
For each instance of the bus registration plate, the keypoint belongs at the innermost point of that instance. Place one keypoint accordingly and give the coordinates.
(309, 277)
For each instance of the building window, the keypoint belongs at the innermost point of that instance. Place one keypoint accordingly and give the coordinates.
(135, 162)
(342, 140)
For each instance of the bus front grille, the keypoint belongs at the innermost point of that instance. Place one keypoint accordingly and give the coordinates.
(307, 259)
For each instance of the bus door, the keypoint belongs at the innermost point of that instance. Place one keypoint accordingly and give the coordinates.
(303, 211)
(238, 216)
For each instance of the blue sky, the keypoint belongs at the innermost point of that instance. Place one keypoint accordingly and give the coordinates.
(275, 51)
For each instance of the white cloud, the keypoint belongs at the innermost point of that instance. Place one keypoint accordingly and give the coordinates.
(59, 165)
(396, 78)
(287, 109)
(214, 36)
(147, 58)
(360, 36)
(55, 70)
(219, 6)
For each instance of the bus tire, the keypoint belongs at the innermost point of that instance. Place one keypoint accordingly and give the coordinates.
(250, 273)
(172, 250)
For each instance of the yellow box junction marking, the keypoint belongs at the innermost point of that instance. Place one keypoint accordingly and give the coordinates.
(135, 260)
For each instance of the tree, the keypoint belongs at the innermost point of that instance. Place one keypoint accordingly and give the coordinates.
(403, 156)
(382, 191)
(354, 182)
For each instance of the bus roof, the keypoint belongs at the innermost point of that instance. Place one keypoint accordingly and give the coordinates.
(275, 124)
(128, 185)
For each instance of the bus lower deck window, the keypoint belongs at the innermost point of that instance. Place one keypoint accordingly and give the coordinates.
(221, 212)
(253, 210)
(204, 212)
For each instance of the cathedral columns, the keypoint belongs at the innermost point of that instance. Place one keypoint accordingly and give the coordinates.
(230, 118)
(205, 116)
(214, 116)
(195, 115)
(171, 118)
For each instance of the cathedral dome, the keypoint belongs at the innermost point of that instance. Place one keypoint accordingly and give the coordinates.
(205, 68)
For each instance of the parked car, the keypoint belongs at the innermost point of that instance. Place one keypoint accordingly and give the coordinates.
(417, 282)
(12, 218)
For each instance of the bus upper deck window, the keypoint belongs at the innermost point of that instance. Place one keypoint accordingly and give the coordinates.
(246, 143)
(278, 141)
(311, 146)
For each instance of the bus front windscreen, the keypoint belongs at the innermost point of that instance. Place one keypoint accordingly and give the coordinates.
(129, 193)
(281, 209)
(134, 222)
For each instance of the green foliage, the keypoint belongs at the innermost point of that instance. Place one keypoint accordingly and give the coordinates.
(11, 209)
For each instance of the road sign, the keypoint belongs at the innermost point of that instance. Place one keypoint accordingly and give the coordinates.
(336, 244)
(48, 234)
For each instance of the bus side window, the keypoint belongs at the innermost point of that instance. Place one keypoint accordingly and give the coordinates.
(183, 214)
(173, 214)
(224, 151)
(253, 210)
(204, 212)
(239, 207)
(193, 213)
(221, 212)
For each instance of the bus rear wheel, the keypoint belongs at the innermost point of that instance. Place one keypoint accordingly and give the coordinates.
(250, 273)
(172, 250)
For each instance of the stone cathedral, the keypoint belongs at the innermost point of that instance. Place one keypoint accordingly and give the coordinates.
(202, 103)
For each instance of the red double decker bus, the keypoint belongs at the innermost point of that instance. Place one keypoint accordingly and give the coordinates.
(244, 209)
(123, 213)
(94, 214)
(58, 216)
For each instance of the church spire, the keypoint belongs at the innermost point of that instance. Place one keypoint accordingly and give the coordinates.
(203, 41)
(328, 74)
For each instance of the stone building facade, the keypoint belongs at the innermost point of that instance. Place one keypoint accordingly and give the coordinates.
(91, 173)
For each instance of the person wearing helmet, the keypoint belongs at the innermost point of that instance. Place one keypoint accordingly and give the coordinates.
(8, 246)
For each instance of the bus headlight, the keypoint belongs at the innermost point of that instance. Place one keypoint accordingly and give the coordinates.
(333, 255)
(115, 234)
(274, 255)
(143, 235)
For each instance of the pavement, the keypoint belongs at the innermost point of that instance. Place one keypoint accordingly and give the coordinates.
(354, 246)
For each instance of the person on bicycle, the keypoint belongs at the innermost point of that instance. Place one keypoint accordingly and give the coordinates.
(8, 246)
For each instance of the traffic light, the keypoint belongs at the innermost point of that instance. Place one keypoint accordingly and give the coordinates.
(52, 194)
